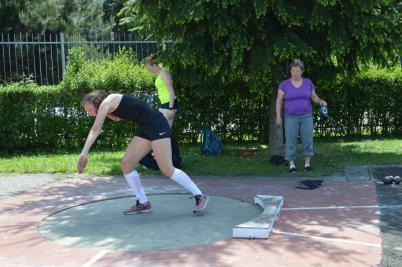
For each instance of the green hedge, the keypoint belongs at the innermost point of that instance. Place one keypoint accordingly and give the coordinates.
(120, 73)
(366, 105)
(50, 117)
(369, 104)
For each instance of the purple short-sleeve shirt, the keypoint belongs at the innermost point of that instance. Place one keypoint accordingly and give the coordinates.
(297, 99)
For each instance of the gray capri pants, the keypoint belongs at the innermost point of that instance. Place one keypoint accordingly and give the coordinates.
(295, 125)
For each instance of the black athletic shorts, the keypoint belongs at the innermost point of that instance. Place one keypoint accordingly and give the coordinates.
(158, 129)
(166, 105)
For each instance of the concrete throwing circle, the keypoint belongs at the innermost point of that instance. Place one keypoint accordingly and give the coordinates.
(171, 224)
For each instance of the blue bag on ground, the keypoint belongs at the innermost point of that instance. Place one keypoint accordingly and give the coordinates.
(211, 145)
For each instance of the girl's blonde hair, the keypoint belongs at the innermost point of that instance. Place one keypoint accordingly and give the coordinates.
(95, 98)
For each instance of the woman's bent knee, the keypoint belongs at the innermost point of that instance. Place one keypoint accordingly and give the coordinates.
(168, 172)
(125, 166)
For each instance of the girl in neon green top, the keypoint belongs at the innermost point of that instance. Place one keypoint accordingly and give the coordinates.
(163, 83)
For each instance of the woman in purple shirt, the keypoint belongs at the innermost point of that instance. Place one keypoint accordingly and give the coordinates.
(296, 94)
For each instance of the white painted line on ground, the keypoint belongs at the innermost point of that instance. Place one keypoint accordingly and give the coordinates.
(345, 207)
(95, 258)
(329, 239)
(336, 240)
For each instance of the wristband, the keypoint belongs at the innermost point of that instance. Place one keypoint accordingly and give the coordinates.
(170, 108)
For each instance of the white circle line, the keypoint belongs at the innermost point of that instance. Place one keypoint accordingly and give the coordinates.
(329, 239)
(95, 258)
(345, 207)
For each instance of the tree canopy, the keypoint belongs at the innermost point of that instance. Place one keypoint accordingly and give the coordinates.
(40, 16)
(222, 41)
(111, 8)
(226, 45)
(9, 18)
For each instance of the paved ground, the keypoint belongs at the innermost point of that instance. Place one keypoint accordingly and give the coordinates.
(390, 218)
(338, 224)
(13, 184)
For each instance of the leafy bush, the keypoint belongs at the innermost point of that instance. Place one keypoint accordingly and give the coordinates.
(121, 73)
(368, 104)
(50, 117)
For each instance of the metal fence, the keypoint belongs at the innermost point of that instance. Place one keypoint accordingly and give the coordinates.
(42, 58)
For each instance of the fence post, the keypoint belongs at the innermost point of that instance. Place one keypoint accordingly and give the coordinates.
(62, 54)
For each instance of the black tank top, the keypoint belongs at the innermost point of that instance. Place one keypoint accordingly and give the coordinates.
(133, 109)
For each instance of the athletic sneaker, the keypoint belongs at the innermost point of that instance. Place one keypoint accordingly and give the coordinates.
(292, 170)
(139, 208)
(201, 202)
(308, 168)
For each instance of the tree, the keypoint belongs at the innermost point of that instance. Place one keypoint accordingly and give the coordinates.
(89, 19)
(48, 16)
(27, 20)
(53, 16)
(111, 8)
(221, 43)
(77, 16)
(9, 19)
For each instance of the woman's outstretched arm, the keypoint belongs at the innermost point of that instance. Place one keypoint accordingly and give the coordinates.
(104, 109)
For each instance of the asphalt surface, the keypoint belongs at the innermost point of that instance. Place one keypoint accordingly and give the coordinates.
(389, 199)
(390, 218)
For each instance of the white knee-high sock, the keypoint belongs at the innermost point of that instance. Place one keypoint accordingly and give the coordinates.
(182, 179)
(134, 181)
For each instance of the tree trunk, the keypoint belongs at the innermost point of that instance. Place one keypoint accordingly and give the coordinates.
(275, 131)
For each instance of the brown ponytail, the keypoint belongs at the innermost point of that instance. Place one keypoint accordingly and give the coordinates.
(95, 98)
(151, 60)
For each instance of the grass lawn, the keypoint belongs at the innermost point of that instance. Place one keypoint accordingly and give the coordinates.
(331, 157)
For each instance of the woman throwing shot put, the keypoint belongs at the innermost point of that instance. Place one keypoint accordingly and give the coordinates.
(154, 135)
